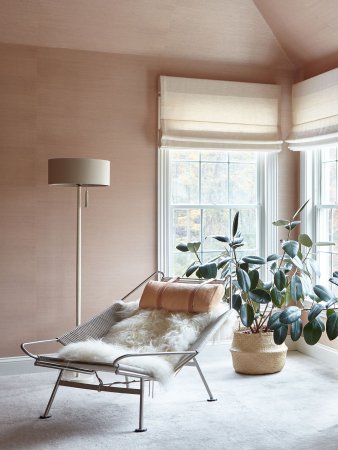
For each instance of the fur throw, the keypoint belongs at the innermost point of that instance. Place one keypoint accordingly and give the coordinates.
(144, 330)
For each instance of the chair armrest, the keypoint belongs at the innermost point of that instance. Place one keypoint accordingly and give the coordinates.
(192, 353)
(32, 355)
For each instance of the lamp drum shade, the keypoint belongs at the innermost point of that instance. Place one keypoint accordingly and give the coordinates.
(78, 172)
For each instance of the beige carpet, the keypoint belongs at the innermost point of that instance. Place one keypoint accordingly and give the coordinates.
(295, 409)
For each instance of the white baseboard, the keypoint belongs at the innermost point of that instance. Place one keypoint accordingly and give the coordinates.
(18, 365)
(327, 355)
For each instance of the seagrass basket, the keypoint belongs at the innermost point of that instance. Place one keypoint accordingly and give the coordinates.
(256, 354)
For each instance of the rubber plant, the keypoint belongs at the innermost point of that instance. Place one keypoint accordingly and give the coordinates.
(289, 302)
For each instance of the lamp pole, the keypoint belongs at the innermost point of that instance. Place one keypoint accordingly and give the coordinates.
(78, 256)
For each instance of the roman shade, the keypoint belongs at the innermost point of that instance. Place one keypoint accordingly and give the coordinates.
(213, 114)
(315, 112)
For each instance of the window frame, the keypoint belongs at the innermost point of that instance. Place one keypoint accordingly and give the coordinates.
(311, 188)
(267, 191)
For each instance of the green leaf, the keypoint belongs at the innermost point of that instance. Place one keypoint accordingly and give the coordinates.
(296, 288)
(276, 297)
(324, 244)
(274, 321)
(290, 314)
(323, 292)
(279, 280)
(208, 270)
(243, 279)
(279, 334)
(247, 314)
(182, 247)
(272, 257)
(314, 266)
(290, 248)
(305, 240)
(254, 278)
(315, 310)
(193, 246)
(223, 262)
(257, 260)
(235, 224)
(296, 329)
(236, 302)
(297, 262)
(281, 222)
(221, 238)
(332, 326)
(292, 224)
(260, 296)
(300, 209)
(192, 268)
(334, 280)
(312, 332)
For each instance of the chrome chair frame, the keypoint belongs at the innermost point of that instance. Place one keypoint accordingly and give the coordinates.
(187, 358)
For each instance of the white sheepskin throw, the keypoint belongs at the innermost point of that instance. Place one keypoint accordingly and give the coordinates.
(145, 330)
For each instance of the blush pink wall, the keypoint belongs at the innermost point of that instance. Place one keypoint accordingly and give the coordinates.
(59, 103)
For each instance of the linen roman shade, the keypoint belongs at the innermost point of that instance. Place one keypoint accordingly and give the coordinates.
(214, 114)
(315, 112)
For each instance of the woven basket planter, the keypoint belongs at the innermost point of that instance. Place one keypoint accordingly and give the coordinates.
(256, 354)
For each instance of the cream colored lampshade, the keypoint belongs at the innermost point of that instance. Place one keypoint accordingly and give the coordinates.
(78, 172)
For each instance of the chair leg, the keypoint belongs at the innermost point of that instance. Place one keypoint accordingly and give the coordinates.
(211, 398)
(140, 428)
(45, 414)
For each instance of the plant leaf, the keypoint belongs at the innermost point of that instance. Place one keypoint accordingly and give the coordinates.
(247, 314)
(290, 314)
(296, 288)
(314, 266)
(298, 263)
(279, 334)
(276, 297)
(236, 302)
(257, 260)
(223, 262)
(243, 279)
(334, 280)
(221, 238)
(300, 209)
(312, 332)
(208, 270)
(192, 268)
(272, 257)
(296, 329)
(323, 292)
(260, 296)
(279, 280)
(182, 247)
(305, 240)
(292, 224)
(235, 224)
(290, 248)
(193, 246)
(274, 321)
(254, 278)
(315, 310)
(332, 326)
(281, 222)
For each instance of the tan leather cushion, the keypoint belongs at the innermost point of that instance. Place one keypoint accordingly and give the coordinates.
(181, 297)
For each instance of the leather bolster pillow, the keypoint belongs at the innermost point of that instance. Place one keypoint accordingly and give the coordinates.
(181, 297)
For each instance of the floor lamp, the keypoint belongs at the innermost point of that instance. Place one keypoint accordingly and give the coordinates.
(78, 172)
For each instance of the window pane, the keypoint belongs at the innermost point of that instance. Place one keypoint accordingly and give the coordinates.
(184, 155)
(243, 182)
(185, 180)
(215, 222)
(329, 154)
(214, 183)
(218, 155)
(248, 226)
(187, 225)
(329, 183)
(242, 156)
